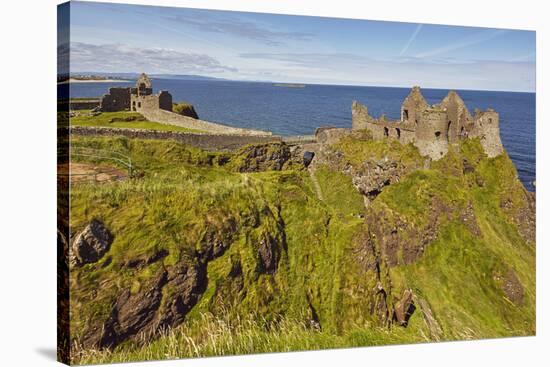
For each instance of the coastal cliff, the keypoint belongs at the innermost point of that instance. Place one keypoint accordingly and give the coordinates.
(210, 253)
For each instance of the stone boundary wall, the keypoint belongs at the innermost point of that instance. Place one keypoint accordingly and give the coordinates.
(87, 104)
(211, 142)
(171, 118)
(299, 139)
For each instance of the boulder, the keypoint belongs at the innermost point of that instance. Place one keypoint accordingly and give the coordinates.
(91, 244)
(269, 255)
(404, 309)
(308, 157)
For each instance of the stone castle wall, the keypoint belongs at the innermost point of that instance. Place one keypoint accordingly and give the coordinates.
(149, 102)
(210, 142)
(88, 104)
(171, 118)
(118, 99)
(433, 128)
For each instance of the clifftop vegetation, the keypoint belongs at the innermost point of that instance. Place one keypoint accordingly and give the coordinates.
(230, 253)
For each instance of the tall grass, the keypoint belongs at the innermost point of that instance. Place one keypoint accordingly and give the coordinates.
(224, 335)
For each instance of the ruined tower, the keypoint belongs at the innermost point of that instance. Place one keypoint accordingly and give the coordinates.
(142, 97)
(144, 86)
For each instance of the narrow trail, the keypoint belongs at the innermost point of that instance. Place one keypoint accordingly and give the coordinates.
(316, 184)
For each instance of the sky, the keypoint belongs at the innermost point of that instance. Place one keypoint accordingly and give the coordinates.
(297, 49)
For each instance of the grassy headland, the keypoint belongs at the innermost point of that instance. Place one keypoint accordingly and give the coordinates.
(335, 270)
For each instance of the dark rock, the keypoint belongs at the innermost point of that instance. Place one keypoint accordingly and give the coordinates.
(467, 167)
(308, 157)
(187, 284)
(380, 306)
(404, 309)
(525, 218)
(185, 109)
(510, 285)
(373, 176)
(468, 218)
(91, 244)
(141, 262)
(132, 313)
(269, 254)
(313, 318)
(217, 239)
(141, 316)
(263, 157)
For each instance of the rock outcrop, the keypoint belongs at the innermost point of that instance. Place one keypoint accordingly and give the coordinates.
(265, 157)
(185, 109)
(404, 308)
(91, 244)
(372, 177)
(139, 316)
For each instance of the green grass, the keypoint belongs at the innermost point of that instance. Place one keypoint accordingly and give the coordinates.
(117, 120)
(185, 192)
(222, 336)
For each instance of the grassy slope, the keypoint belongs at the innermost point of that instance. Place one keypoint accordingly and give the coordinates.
(184, 191)
(105, 119)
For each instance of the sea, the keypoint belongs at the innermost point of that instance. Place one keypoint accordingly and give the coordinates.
(291, 110)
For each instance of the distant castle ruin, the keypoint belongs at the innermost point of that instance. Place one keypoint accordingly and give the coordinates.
(433, 128)
(139, 98)
(159, 108)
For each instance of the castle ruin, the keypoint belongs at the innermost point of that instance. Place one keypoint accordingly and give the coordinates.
(158, 108)
(433, 128)
(139, 98)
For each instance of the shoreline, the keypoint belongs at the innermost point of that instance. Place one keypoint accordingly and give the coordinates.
(72, 80)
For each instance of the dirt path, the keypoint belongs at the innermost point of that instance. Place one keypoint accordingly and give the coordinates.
(88, 172)
(316, 185)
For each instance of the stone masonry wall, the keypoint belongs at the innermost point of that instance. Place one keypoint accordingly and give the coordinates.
(171, 118)
(118, 99)
(87, 104)
(211, 142)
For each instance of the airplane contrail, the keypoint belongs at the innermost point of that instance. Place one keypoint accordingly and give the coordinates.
(410, 41)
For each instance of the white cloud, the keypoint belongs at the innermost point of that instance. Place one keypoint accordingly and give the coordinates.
(240, 28)
(119, 58)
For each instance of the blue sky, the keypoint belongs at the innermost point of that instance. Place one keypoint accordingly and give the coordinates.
(251, 46)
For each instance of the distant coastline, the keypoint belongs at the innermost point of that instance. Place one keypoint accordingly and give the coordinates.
(289, 85)
(75, 80)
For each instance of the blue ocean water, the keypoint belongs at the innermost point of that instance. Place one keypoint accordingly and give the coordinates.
(298, 111)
